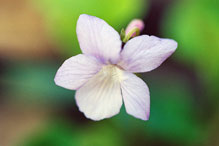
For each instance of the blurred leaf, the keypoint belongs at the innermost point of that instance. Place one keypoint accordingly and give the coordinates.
(35, 82)
(99, 134)
(61, 17)
(55, 133)
(68, 134)
(194, 24)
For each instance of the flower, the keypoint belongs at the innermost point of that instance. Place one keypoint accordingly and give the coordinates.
(104, 74)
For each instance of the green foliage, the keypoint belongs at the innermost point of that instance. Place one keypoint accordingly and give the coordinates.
(55, 133)
(194, 24)
(62, 133)
(61, 17)
(35, 82)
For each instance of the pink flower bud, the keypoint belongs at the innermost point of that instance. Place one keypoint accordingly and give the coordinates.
(135, 23)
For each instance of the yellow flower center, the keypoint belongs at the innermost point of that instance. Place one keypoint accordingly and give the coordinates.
(113, 72)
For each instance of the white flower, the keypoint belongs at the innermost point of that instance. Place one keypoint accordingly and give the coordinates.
(103, 74)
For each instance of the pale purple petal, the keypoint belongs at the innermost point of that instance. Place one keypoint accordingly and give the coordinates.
(101, 96)
(136, 96)
(98, 38)
(145, 53)
(76, 71)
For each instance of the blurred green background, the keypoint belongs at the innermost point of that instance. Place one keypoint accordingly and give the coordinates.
(36, 36)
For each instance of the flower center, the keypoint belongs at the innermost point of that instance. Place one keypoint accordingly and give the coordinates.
(113, 72)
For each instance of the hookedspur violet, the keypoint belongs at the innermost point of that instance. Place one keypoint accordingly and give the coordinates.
(104, 74)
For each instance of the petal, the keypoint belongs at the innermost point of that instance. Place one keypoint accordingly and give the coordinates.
(145, 53)
(76, 70)
(136, 96)
(99, 39)
(100, 97)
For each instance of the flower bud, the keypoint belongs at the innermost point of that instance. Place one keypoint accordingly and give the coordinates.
(135, 23)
